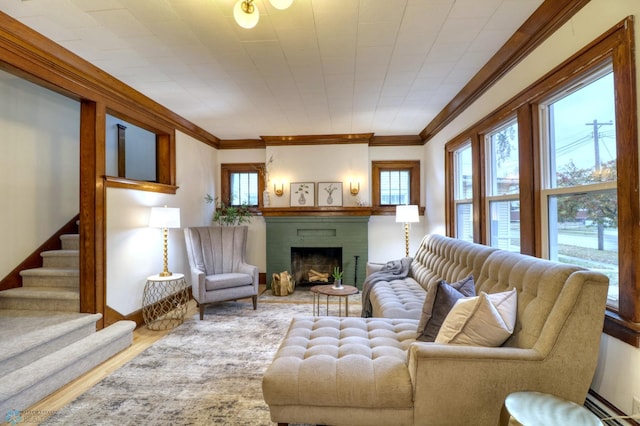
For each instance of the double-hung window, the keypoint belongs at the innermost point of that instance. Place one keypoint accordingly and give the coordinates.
(580, 197)
(463, 192)
(394, 183)
(241, 184)
(503, 187)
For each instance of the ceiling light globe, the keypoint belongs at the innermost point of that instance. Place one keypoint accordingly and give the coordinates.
(246, 19)
(281, 4)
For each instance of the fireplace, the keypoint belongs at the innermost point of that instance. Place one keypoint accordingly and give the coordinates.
(345, 237)
(314, 265)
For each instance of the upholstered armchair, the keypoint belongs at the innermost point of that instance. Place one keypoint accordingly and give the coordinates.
(218, 270)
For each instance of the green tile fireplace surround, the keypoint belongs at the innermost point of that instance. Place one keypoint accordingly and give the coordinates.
(347, 232)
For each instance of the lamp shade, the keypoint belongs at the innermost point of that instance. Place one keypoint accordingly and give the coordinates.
(407, 214)
(246, 13)
(164, 217)
(281, 4)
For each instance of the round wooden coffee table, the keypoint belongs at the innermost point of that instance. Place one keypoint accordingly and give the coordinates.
(329, 290)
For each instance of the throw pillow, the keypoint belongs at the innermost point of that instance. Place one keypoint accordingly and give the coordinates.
(441, 297)
(485, 320)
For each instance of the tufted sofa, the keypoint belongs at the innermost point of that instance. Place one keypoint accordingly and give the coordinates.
(373, 371)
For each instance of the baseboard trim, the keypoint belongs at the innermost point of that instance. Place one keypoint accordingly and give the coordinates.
(607, 412)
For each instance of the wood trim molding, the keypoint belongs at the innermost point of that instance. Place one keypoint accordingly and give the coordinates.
(368, 138)
(550, 16)
(315, 211)
(117, 182)
(241, 144)
(40, 60)
(317, 139)
(401, 140)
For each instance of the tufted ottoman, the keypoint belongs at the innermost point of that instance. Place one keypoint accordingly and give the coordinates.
(335, 371)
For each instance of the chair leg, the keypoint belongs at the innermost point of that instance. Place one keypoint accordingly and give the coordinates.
(201, 311)
(255, 302)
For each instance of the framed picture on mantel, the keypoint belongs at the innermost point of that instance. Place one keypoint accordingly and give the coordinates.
(302, 194)
(330, 194)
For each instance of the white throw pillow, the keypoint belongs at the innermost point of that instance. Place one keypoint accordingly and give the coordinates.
(485, 320)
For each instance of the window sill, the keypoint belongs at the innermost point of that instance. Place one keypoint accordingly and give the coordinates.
(621, 329)
(389, 211)
(118, 182)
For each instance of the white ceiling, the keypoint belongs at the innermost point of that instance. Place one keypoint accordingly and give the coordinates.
(319, 67)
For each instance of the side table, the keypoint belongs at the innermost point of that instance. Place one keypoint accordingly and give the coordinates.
(164, 302)
(329, 290)
(535, 408)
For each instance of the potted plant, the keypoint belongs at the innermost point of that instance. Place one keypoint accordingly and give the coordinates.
(229, 215)
(337, 277)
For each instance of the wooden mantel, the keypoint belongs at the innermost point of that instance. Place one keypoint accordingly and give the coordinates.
(315, 211)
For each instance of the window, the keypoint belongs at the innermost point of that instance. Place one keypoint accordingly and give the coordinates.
(580, 182)
(463, 192)
(577, 137)
(503, 187)
(394, 183)
(241, 184)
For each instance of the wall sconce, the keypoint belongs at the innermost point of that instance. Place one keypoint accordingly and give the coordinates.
(354, 190)
(278, 190)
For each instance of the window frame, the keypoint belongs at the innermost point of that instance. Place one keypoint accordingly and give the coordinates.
(617, 47)
(413, 166)
(227, 169)
(489, 196)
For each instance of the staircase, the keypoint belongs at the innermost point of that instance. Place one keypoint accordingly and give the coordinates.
(46, 341)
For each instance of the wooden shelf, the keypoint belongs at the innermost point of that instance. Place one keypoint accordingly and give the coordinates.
(315, 211)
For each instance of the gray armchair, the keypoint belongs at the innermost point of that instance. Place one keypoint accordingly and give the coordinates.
(218, 270)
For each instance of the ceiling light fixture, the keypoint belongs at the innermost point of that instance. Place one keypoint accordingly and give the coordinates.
(247, 15)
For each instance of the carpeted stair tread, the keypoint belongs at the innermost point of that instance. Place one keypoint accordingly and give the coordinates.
(27, 385)
(53, 272)
(61, 259)
(40, 292)
(70, 241)
(29, 335)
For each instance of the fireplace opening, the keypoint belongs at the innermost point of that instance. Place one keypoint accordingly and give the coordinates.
(314, 265)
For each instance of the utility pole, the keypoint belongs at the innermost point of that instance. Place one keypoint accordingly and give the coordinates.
(596, 149)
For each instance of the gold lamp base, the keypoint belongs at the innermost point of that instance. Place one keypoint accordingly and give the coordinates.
(165, 272)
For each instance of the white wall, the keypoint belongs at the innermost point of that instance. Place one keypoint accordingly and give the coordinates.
(38, 167)
(618, 374)
(331, 163)
(134, 251)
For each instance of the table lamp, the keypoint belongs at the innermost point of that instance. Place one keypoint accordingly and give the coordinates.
(407, 214)
(165, 218)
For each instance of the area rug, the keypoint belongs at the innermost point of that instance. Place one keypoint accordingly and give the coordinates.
(201, 373)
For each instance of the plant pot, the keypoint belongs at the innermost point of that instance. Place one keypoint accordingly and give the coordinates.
(337, 284)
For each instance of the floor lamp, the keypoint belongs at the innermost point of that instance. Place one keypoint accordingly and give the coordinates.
(164, 217)
(407, 214)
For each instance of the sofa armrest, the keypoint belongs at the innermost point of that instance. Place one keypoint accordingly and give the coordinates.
(453, 382)
(252, 270)
(197, 284)
(373, 267)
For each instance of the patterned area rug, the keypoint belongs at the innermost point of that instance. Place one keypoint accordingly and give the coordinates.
(203, 372)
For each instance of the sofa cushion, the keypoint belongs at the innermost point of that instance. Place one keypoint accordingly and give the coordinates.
(342, 362)
(230, 280)
(485, 320)
(397, 299)
(438, 301)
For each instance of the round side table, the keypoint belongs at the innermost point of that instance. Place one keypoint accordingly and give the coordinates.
(329, 290)
(535, 408)
(164, 302)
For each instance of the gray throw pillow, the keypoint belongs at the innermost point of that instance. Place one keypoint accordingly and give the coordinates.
(440, 298)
